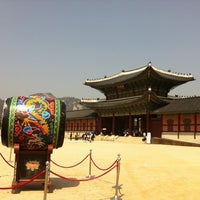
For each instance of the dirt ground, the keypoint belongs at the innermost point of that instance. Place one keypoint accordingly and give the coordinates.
(147, 171)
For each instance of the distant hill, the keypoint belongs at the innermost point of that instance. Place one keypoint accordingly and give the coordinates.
(72, 103)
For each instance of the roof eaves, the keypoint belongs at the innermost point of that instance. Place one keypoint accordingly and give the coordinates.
(118, 75)
(169, 73)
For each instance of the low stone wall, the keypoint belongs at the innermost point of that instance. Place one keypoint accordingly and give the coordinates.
(186, 137)
(155, 140)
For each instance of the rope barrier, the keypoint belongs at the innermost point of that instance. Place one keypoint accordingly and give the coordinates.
(116, 164)
(23, 184)
(87, 179)
(6, 161)
(72, 165)
(102, 168)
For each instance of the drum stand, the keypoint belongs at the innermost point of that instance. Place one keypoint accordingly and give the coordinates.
(28, 164)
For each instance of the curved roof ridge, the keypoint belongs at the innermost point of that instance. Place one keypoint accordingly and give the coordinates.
(138, 70)
(172, 73)
(122, 73)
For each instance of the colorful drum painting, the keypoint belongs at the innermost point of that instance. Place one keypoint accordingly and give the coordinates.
(33, 122)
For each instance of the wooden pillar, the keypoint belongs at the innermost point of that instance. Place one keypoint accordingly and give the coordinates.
(179, 121)
(130, 131)
(113, 124)
(138, 128)
(195, 125)
(99, 125)
(148, 108)
(162, 125)
(87, 125)
(147, 122)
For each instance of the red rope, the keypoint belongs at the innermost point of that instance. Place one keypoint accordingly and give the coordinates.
(6, 161)
(23, 184)
(88, 179)
(103, 169)
(72, 165)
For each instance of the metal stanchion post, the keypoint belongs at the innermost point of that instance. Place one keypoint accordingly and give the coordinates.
(46, 180)
(90, 166)
(117, 187)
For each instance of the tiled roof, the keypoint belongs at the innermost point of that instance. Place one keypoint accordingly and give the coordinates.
(190, 104)
(126, 75)
(186, 105)
(127, 101)
(110, 103)
(86, 113)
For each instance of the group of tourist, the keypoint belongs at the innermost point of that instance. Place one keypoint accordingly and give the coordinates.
(87, 136)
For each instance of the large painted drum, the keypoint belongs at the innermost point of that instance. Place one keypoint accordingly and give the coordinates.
(33, 122)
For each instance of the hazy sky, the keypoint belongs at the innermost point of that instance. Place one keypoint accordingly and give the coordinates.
(55, 45)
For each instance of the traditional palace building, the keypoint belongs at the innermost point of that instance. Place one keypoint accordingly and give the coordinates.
(138, 101)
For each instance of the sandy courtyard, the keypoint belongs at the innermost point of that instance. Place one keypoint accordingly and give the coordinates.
(147, 171)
